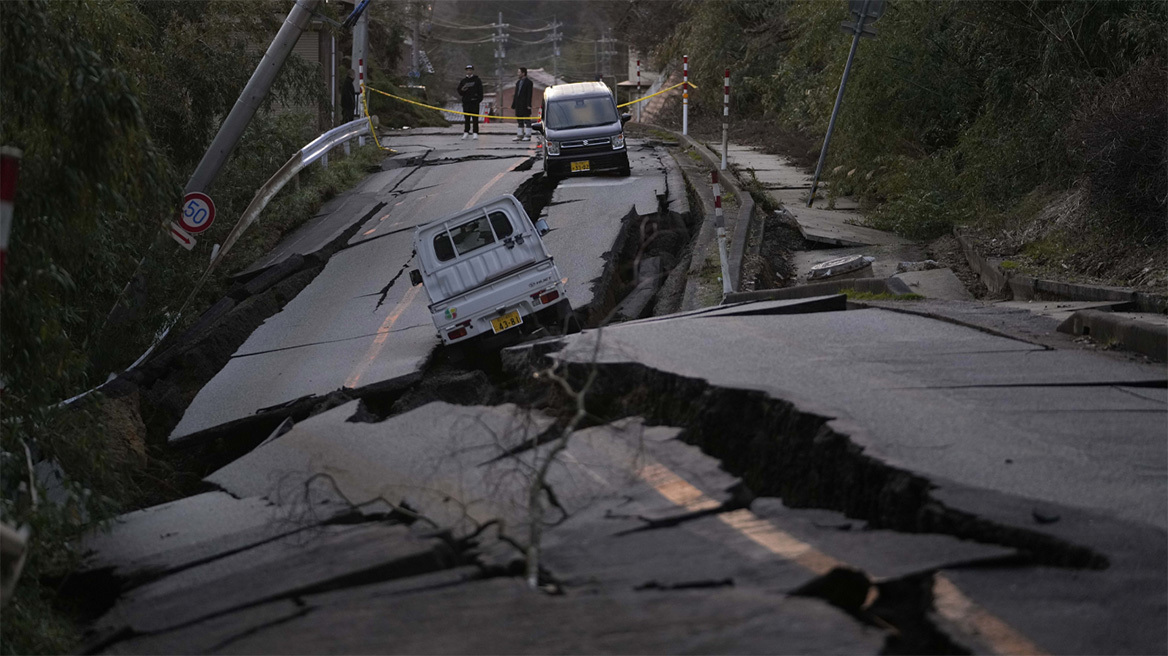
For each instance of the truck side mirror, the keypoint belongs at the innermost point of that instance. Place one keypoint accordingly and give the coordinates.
(625, 118)
(537, 126)
(415, 277)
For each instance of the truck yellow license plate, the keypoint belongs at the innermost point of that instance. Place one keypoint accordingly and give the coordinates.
(509, 320)
(580, 166)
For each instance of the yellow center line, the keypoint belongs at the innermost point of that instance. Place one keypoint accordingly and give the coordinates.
(479, 194)
(950, 602)
(382, 334)
(1001, 638)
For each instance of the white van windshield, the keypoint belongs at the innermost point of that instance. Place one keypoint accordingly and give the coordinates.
(580, 113)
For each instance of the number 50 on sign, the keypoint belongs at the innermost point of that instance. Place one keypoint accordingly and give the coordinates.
(197, 212)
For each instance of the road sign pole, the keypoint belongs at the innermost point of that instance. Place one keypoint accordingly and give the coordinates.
(839, 98)
(9, 171)
(361, 84)
(685, 94)
(720, 226)
(639, 90)
(725, 117)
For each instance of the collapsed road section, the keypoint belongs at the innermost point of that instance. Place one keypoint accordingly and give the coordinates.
(352, 327)
(749, 496)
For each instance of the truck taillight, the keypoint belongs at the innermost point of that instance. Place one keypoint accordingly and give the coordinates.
(549, 297)
(457, 333)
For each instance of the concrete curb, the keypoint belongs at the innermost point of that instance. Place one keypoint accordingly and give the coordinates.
(742, 224)
(1147, 339)
(1105, 327)
(1026, 288)
(991, 276)
(741, 232)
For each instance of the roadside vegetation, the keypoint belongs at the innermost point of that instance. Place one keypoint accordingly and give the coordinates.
(112, 113)
(1038, 127)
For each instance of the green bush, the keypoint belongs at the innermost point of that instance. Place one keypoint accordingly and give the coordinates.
(113, 112)
(957, 109)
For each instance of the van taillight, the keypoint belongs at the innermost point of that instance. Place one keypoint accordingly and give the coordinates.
(549, 297)
(458, 333)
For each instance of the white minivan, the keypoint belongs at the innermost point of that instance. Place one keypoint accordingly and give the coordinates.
(487, 272)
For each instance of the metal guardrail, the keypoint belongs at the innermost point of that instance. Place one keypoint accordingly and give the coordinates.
(316, 149)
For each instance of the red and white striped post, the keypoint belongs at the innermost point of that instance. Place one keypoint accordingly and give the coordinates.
(725, 117)
(685, 94)
(720, 226)
(361, 97)
(9, 168)
(639, 90)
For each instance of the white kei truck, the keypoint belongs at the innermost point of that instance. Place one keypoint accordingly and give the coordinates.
(487, 272)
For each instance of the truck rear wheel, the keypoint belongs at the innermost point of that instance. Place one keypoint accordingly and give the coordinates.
(569, 324)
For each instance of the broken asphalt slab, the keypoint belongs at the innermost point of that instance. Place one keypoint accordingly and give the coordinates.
(953, 418)
(604, 210)
(920, 393)
(502, 615)
(435, 460)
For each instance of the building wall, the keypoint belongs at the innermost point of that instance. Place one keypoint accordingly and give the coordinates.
(509, 95)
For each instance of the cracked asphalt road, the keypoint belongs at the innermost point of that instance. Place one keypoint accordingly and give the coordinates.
(775, 477)
(360, 322)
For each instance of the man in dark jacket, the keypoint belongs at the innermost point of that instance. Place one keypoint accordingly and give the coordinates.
(349, 95)
(521, 103)
(470, 88)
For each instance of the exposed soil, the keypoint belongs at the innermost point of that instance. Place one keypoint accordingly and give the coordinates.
(947, 252)
(1066, 240)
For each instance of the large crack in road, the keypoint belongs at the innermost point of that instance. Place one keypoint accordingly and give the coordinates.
(778, 450)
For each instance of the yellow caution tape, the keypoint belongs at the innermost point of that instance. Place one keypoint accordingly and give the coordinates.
(633, 102)
(508, 118)
(372, 130)
(451, 111)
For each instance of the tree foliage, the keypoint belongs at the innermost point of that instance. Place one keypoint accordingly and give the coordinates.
(957, 109)
(113, 104)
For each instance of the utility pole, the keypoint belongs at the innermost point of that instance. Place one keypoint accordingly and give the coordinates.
(556, 37)
(639, 90)
(500, 39)
(595, 59)
(415, 11)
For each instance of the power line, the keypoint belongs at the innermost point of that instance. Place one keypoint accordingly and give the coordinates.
(462, 41)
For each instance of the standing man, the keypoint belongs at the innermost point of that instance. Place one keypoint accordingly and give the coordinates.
(349, 95)
(521, 103)
(471, 91)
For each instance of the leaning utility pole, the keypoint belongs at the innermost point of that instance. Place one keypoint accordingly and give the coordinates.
(253, 94)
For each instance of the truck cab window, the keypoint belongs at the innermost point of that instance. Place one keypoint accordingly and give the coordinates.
(502, 225)
(472, 235)
(443, 249)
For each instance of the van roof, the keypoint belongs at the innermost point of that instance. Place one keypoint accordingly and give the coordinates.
(577, 89)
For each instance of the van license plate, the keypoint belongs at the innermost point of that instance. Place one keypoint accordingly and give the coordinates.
(580, 166)
(509, 320)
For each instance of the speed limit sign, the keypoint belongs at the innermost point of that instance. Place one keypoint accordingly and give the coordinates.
(198, 211)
